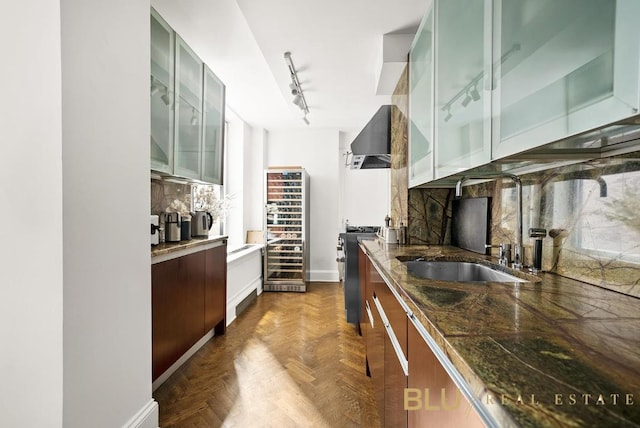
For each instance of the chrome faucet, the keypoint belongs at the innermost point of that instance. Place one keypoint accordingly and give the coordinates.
(504, 255)
(518, 251)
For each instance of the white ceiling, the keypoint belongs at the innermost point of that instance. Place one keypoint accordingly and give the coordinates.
(336, 47)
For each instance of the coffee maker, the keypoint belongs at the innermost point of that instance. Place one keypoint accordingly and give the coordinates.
(172, 227)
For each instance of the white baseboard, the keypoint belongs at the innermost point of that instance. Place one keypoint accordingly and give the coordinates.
(324, 276)
(175, 366)
(232, 302)
(147, 417)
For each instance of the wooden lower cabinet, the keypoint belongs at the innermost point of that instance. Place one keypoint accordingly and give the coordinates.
(375, 357)
(433, 399)
(215, 290)
(188, 299)
(386, 371)
(165, 347)
(395, 382)
(427, 396)
(362, 272)
(394, 312)
(373, 332)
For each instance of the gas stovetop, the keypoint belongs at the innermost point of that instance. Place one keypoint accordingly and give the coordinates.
(363, 229)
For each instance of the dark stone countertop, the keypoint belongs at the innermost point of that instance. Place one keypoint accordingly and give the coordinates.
(548, 339)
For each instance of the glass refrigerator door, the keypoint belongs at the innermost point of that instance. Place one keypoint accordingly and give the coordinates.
(285, 253)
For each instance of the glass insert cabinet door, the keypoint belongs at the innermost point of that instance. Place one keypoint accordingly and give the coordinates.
(162, 46)
(463, 85)
(568, 66)
(188, 112)
(286, 230)
(421, 104)
(213, 128)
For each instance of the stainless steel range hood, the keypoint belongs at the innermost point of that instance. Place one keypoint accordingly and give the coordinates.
(372, 147)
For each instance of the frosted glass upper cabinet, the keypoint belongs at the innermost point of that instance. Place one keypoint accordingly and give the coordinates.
(565, 66)
(463, 85)
(188, 112)
(162, 44)
(213, 129)
(421, 104)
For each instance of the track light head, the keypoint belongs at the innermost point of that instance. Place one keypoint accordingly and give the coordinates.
(448, 116)
(194, 117)
(474, 93)
(166, 99)
(467, 100)
(294, 86)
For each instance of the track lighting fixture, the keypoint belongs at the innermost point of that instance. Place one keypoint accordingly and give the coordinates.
(155, 87)
(296, 90)
(194, 117)
(470, 90)
(467, 100)
(474, 93)
(166, 99)
(159, 87)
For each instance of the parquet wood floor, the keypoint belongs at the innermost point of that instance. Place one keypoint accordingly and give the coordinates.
(289, 360)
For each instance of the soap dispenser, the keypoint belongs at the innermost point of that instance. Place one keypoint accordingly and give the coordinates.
(538, 234)
(402, 234)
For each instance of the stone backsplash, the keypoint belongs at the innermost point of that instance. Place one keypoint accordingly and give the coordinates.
(591, 212)
(399, 146)
(430, 216)
(167, 195)
(188, 197)
(426, 212)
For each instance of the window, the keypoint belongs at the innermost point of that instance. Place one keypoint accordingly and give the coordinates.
(206, 197)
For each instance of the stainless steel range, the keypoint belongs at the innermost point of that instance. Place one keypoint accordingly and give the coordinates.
(349, 247)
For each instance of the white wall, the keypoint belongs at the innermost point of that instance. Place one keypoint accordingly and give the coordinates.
(107, 279)
(365, 194)
(31, 195)
(316, 151)
(234, 177)
(244, 177)
(254, 165)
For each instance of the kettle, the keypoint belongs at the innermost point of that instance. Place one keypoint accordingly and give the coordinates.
(172, 227)
(201, 222)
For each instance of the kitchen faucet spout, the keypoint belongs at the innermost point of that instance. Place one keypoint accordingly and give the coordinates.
(518, 253)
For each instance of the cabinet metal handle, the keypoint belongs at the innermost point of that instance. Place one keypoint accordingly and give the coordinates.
(392, 337)
(454, 374)
(369, 314)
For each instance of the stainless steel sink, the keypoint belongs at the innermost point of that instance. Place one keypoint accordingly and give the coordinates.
(458, 271)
